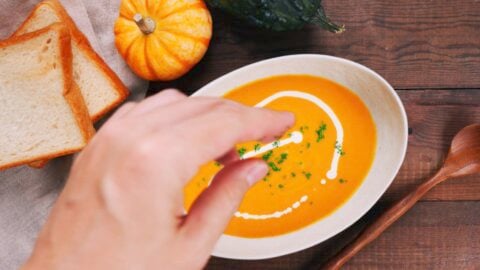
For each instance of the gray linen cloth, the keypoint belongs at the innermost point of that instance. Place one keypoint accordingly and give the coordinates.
(26, 194)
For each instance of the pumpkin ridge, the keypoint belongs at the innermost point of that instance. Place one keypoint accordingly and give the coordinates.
(147, 62)
(140, 7)
(198, 5)
(167, 40)
(147, 7)
(123, 16)
(129, 47)
(177, 58)
(128, 8)
(204, 41)
(155, 8)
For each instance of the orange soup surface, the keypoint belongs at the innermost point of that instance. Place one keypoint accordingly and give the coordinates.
(314, 168)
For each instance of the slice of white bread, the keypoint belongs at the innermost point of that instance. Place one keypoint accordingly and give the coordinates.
(42, 113)
(100, 86)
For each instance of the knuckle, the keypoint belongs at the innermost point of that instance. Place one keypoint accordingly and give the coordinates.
(126, 107)
(128, 104)
(229, 109)
(123, 110)
(142, 150)
(171, 92)
(215, 103)
(186, 168)
(110, 131)
(211, 102)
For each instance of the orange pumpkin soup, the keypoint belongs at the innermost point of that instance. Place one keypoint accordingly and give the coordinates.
(314, 168)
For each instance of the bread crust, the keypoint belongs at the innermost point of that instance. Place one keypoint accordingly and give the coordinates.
(71, 93)
(75, 95)
(38, 164)
(84, 44)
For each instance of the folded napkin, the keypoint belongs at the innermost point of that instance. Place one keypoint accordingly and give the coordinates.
(26, 194)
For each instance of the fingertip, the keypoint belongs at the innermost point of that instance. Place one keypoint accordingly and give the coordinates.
(257, 171)
(289, 118)
(172, 92)
(213, 209)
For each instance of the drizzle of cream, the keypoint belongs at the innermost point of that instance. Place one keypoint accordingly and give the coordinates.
(276, 214)
(296, 137)
(332, 173)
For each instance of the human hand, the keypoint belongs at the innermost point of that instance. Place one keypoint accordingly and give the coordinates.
(122, 206)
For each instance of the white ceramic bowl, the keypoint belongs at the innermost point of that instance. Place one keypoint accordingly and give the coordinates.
(392, 132)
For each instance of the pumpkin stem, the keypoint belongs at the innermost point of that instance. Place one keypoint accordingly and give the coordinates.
(146, 24)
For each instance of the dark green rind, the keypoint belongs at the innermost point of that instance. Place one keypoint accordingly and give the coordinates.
(278, 15)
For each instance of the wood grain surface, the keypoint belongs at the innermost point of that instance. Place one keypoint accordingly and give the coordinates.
(414, 44)
(430, 52)
(433, 235)
(434, 117)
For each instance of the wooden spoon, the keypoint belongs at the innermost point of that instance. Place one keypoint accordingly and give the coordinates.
(463, 159)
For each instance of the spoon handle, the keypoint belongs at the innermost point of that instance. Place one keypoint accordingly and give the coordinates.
(372, 231)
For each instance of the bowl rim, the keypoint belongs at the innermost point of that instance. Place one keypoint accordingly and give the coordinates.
(276, 252)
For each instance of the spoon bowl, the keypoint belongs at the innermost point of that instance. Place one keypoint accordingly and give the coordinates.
(463, 159)
(464, 155)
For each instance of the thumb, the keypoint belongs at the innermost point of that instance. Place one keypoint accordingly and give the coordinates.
(213, 209)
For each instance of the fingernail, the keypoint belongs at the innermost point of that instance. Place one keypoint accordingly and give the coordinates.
(256, 173)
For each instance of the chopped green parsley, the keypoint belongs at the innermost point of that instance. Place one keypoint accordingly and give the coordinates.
(283, 157)
(339, 149)
(303, 129)
(276, 144)
(321, 132)
(242, 151)
(307, 175)
(274, 167)
(267, 155)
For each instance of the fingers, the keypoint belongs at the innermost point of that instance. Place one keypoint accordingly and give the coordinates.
(213, 209)
(171, 114)
(229, 157)
(203, 129)
(212, 135)
(123, 110)
(162, 99)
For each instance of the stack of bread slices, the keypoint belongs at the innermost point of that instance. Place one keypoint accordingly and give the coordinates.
(53, 86)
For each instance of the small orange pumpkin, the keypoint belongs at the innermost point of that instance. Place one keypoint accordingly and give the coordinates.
(162, 39)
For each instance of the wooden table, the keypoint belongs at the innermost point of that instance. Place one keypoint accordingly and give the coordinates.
(430, 52)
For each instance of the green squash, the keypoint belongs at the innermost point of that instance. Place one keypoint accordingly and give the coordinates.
(278, 15)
